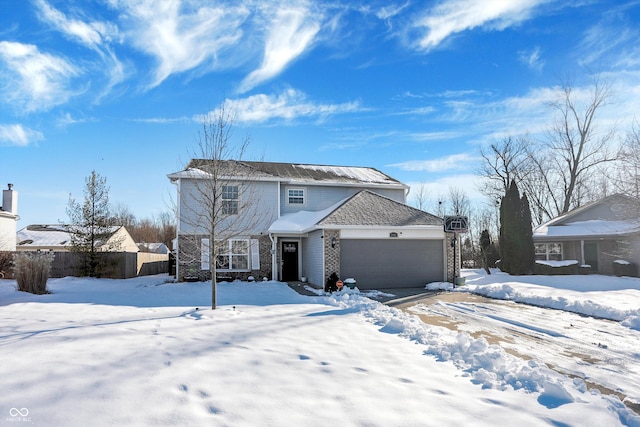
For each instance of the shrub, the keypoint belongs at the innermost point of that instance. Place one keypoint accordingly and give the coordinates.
(569, 267)
(31, 270)
(624, 268)
(6, 260)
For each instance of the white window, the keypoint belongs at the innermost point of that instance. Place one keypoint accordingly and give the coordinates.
(549, 251)
(296, 196)
(230, 196)
(232, 255)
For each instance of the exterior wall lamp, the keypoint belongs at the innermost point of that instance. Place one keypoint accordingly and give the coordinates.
(333, 242)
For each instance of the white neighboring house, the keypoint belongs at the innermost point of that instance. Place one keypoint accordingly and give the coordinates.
(56, 238)
(8, 219)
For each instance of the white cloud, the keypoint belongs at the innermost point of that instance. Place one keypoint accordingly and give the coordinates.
(18, 135)
(291, 33)
(181, 36)
(288, 105)
(33, 80)
(95, 35)
(455, 16)
(452, 162)
(90, 34)
(531, 58)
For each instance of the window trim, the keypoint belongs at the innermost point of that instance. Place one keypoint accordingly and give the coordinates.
(230, 255)
(225, 201)
(288, 196)
(548, 252)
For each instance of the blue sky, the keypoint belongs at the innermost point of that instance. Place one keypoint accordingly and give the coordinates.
(413, 88)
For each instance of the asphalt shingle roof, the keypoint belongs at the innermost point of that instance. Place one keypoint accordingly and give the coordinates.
(304, 172)
(367, 208)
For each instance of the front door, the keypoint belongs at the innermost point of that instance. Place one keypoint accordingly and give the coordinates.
(289, 261)
(591, 255)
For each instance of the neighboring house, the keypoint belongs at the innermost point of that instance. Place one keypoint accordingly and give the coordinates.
(315, 220)
(154, 248)
(8, 219)
(56, 238)
(596, 234)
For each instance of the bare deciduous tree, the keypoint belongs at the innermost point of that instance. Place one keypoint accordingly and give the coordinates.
(216, 203)
(504, 161)
(421, 197)
(628, 173)
(575, 147)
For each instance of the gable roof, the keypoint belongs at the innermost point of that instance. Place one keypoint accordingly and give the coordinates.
(294, 172)
(364, 209)
(367, 208)
(586, 222)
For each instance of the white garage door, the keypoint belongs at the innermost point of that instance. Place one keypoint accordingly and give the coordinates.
(377, 264)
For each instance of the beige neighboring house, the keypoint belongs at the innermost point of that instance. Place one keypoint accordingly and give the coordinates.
(56, 238)
(8, 219)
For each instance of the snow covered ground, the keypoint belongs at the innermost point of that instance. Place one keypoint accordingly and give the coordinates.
(146, 352)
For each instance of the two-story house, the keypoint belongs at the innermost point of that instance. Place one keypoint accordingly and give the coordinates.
(292, 221)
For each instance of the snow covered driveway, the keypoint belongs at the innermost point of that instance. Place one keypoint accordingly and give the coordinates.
(600, 351)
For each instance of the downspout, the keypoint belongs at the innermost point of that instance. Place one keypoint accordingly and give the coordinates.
(581, 252)
(274, 245)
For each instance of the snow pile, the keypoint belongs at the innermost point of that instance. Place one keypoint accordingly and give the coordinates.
(606, 297)
(487, 365)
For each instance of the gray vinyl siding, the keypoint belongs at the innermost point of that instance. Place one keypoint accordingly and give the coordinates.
(322, 197)
(258, 208)
(312, 256)
(401, 263)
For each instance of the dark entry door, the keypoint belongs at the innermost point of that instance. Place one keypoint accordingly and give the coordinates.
(591, 255)
(289, 261)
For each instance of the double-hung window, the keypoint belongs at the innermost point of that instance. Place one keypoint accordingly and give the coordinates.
(296, 196)
(229, 198)
(232, 254)
(549, 251)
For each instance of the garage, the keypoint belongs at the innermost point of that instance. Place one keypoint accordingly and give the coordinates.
(392, 263)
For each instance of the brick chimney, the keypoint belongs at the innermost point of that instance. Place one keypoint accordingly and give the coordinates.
(10, 200)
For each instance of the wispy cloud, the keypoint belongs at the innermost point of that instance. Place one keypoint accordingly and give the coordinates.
(90, 34)
(33, 80)
(95, 35)
(455, 16)
(288, 105)
(18, 135)
(532, 58)
(291, 33)
(181, 36)
(452, 162)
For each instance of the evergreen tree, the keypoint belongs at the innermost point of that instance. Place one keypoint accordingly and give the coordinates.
(516, 237)
(90, 224)
(485, 245)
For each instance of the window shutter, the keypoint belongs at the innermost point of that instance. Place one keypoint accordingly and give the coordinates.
(255, 254)
(205, 250)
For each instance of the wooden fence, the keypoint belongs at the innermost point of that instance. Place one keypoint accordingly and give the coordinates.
(113, 265)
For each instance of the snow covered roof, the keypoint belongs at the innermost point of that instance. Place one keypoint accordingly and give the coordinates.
(46, 236)
(295, 172)
(591, 228)
(156, 248)
(365, 208)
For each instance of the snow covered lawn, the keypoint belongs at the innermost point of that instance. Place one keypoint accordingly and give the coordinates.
(145, 352)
